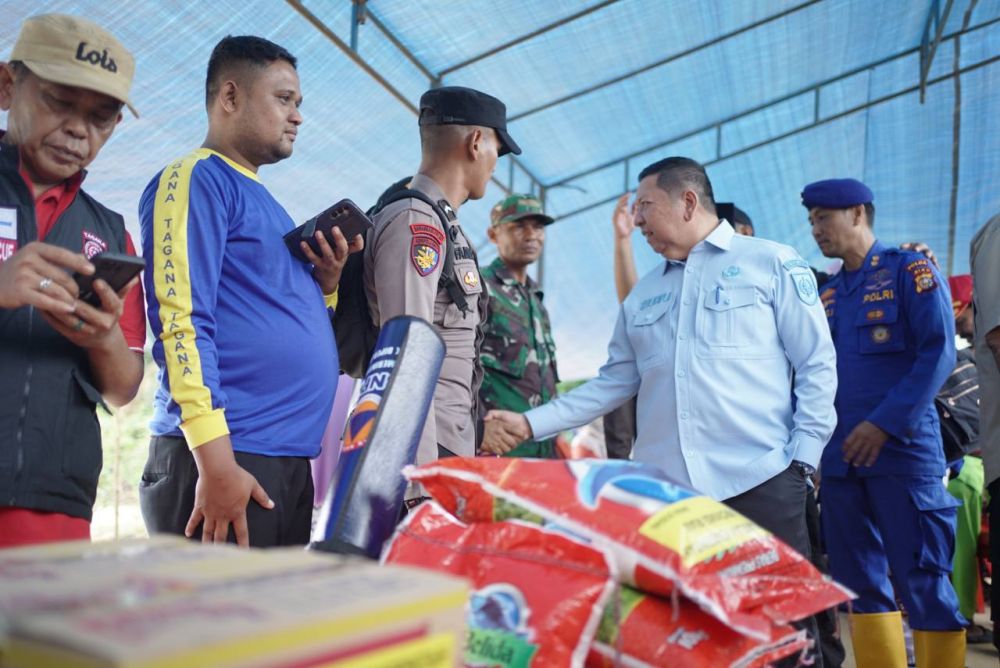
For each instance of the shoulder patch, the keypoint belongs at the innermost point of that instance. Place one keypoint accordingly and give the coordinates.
(805, 286)
(425, 248)
(427, 230)
(923, 275)
(804, 279)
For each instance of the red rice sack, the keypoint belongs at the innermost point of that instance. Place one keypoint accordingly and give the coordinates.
(659, 534)
(640, 631)
(537, 596)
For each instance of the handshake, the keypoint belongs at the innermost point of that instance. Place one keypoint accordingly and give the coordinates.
(503, 431)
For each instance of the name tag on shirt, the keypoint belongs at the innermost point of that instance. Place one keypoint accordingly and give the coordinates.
(8, 232)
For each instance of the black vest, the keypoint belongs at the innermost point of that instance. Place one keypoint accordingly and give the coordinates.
(50, 439)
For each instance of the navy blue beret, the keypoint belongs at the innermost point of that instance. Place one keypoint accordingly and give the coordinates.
(836, 194)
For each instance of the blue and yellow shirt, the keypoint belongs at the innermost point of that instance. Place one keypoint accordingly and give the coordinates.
(242, 336)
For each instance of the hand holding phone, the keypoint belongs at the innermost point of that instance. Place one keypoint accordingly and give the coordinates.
(115, 269)
(345, 214)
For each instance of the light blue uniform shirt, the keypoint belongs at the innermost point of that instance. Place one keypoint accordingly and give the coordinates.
(715, 347)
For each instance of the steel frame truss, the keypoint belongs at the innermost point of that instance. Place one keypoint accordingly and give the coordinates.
(362, 14)
(817, 120)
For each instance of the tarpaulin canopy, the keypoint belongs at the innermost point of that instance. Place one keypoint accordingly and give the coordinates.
(770, 94)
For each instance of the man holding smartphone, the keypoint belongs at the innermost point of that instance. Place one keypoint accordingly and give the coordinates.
(248, 364)
(60, 356)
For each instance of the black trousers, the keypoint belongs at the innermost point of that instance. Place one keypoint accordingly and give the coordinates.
(779, 505)
(619, 430)
(166, 494)
(830, 644)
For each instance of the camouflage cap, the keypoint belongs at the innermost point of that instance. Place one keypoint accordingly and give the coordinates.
(515, 207)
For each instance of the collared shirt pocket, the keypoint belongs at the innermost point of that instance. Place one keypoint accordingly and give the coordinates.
(879, 329)
(728, 316)
(649, 331)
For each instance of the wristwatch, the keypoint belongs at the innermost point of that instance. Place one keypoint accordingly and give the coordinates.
(804, 468)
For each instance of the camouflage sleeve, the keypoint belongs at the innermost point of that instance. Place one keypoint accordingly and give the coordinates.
(407, 263)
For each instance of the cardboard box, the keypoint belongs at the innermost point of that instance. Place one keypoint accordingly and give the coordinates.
(286, 608)
(61, 576)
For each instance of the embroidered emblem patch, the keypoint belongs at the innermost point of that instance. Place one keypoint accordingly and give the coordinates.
(804, 280)
(926, 283)
(923, 275)
(805, 286)
(471, 278)
(425, 248)
(880, 279)
(731, 272)
(875, 314)
(93, 245)
(424, 257)
(880, 334)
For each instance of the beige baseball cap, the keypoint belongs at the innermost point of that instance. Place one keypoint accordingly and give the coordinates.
(73, 51)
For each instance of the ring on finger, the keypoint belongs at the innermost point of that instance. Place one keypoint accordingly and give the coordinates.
(44, 283)
(79, 325)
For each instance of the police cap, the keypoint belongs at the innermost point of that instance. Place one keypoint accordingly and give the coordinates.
(836, 194)
(457, 105)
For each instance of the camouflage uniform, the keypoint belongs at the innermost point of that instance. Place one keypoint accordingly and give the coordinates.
(518, 351)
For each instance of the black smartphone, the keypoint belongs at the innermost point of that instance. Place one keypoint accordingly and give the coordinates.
(115, 269)
(345, 214)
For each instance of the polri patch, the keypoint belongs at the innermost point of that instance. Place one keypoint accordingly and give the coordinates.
(925, 282)
(425, 248)
(923, 276)
(880, 334)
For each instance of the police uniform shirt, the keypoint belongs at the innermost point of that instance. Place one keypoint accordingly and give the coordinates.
(985, 267)
(402, 269)
(894, 332)
(711, 345)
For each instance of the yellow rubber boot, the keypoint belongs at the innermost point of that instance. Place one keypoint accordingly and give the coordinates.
(878, 640)
(939, 649)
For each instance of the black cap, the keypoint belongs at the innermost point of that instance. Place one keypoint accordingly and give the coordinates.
(457, 105)
(734, 214)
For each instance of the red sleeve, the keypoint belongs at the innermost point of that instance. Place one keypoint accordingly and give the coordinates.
(133, 320)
